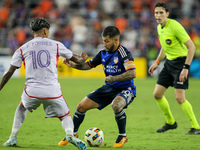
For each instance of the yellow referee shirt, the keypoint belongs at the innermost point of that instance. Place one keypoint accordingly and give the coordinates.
(172, 38)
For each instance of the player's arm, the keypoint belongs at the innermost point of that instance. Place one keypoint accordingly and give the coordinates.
(86, 65)
(191, 50)
(78, 62)
(128, 75)
(82, 66)
(160, 57)
(79, 59)
(8, 74)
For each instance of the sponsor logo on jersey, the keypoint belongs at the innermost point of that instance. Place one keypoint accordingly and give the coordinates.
(103, 60)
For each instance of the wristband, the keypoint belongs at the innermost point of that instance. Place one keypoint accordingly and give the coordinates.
(156, 61)
(186, 66)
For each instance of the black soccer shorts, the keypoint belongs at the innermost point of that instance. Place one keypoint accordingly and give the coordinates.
(169, 76)
(105, 95)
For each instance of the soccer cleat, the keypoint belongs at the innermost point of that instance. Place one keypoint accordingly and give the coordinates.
(11, 142)
(65, 142)
(120, 141)
(193, 131)
(77, 142)
(167, 127)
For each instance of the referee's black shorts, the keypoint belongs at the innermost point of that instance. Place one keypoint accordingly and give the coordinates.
(169, 76)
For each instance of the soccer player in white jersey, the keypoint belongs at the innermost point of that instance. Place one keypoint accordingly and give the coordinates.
(40, 57)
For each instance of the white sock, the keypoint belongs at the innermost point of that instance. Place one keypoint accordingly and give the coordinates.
(68, 125)
(20, 116)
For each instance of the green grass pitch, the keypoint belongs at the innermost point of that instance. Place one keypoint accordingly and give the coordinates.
(143, 118)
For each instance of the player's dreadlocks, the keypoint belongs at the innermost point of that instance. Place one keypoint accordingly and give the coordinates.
(39, 23)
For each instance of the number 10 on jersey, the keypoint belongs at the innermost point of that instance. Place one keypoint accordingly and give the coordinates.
(41, 58)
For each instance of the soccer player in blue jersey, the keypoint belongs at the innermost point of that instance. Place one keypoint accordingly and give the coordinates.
(119, 89)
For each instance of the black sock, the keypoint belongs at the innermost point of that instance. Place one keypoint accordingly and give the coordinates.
(78, 119)
(120, 118)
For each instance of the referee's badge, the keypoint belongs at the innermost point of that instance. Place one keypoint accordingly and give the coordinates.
(169, 42)
(115, 60)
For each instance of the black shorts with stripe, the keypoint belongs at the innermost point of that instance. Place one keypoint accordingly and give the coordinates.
(169, 76)
(106, 94)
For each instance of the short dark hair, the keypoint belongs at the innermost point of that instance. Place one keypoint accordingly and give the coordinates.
(39, 23)
(111, 31)
(163, 5)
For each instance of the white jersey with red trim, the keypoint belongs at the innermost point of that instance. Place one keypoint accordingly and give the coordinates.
(40, 56)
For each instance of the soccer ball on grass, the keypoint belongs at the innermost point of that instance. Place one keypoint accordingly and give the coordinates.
(94, 137)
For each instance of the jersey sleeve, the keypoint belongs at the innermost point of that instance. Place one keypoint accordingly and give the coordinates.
(128, 61)
(96, 60)
(180, 33)
(64, 52)
(17, 58)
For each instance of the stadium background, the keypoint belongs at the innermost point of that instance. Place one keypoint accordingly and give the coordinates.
(78, 25)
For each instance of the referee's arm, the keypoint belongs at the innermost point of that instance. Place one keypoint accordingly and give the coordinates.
(191, 50)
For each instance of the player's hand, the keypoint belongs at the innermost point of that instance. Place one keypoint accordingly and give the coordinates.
(152, 68)
(69, 63)
(110, 79)
(183, 75)
(84, 56)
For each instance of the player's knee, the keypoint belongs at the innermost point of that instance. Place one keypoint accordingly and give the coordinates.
(157, 95)
(81, 107)
(180, 100)
(115, 107)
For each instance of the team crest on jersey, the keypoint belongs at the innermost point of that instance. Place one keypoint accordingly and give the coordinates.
(169, 42)
(115, 60)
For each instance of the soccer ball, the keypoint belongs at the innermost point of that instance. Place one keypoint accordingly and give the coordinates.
(94, 137)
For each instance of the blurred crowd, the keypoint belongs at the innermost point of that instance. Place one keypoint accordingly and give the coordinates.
(78, 23)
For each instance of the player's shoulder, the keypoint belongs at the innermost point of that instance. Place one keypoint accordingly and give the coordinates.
(52, 41)
(123, 51)
(174, 23)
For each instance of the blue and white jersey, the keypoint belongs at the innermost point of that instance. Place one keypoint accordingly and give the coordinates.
(115, 64)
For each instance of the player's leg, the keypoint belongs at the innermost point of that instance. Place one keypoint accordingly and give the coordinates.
(27, 104)
(85, 105)
(118, 104)
(68, 126)
(187, 108)
(120, 116)
(164, 106)
(59, 108)
(103, 96)
(20, 116)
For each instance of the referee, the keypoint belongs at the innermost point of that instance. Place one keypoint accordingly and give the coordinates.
(179, 50)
